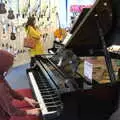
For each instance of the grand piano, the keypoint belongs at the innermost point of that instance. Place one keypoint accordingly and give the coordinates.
(62, 91)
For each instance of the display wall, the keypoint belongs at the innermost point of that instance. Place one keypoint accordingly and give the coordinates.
(66, 14)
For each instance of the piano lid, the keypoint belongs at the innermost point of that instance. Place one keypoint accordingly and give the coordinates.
(79, 19)
(85, 39)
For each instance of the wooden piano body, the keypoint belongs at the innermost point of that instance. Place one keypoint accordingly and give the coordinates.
(90, 37)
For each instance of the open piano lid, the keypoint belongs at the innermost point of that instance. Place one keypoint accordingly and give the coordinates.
(85, 40)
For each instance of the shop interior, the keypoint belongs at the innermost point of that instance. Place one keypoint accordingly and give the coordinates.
(78, 76)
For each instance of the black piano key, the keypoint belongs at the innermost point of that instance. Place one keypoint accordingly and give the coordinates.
(49, 89)
(50, 97)
(48, 100)
(47, 96)
(53, 98)
(43, 87)
(56, 99)
(51, 108)
(48, 92)
(43, 82)
(45, 93)
(55, 106)
(53, 103)
(50, 104)
(58, 103)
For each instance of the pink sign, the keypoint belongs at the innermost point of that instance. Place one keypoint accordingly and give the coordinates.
(79, 8)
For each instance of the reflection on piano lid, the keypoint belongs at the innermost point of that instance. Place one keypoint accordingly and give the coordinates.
(80, 17)
(75, 25)
(86, 37)
(66, 39)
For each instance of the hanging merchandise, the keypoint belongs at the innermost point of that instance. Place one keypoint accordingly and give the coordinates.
(66, 11)
(12, 35)
(25, 8)
(48, 18)
(18, 14)
(38, 10)
(59, 33)
(11, 14)
(28, 9)
(4, 35)
(2, 8)
(44, 8)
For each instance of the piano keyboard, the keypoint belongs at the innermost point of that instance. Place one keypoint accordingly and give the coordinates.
(48, 100)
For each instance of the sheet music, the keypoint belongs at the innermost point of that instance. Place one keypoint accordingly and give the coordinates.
(65, 41)
(88, 70)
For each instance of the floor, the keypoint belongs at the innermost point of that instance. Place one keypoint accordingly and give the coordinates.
(17, 78)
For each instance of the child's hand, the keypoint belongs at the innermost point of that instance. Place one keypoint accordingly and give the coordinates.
(35, 111)
(30, 101)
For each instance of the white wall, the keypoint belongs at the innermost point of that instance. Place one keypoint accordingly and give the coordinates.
(62, 9)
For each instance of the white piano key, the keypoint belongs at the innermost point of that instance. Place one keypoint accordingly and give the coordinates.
(39, 96)
(51, 52)
(37, 93)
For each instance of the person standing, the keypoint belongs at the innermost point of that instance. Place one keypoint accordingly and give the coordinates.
(33, 32)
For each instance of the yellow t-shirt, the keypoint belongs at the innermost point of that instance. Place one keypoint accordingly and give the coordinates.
(35, 33)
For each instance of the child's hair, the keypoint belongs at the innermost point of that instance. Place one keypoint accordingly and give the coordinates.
(6, 61)
(30, 22)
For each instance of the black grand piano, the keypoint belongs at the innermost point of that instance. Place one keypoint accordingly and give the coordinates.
(66, 92)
